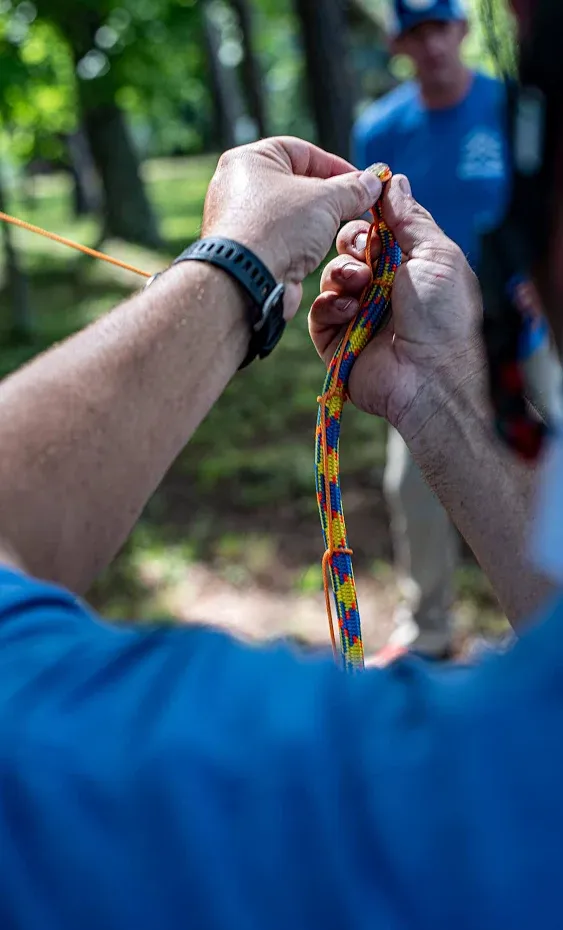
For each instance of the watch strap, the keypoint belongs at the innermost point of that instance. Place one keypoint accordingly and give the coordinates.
(239, 261)
(266, 295)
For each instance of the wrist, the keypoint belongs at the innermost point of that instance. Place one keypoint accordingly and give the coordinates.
(212, 303)
(463, 386)
(264, 295)
(275, 259)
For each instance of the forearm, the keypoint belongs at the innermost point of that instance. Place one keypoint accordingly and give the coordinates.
(88, 430)
(486, 490)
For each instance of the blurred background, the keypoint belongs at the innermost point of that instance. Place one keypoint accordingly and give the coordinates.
(112, 117)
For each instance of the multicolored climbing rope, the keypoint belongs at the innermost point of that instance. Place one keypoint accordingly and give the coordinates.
(337, 560)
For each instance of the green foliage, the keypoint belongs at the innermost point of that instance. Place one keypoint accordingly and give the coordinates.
(37, 99)
(156, 50)
(278, 44)
(495, 32)
(146, 54)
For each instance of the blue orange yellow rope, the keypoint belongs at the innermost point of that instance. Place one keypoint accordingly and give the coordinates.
(337, 560)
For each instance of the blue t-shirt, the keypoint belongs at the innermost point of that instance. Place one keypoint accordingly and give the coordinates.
(455, 158)
(179, 778)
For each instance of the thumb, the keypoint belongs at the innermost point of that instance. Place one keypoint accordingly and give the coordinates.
(412, 225)
(354, 193)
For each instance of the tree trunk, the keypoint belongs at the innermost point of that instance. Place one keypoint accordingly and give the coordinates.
(87, 196)
(225, 105)
(127, 211)
(324, 29)
(20, 328)
(250, 68)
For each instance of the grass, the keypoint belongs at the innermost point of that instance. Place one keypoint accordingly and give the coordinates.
(241, 496)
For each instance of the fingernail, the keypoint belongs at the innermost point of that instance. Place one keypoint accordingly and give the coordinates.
(372, 184)
(360, 242)
(345, 303)
(405, 186)
(348, 270)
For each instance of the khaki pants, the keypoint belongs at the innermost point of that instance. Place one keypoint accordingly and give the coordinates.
(425, 543)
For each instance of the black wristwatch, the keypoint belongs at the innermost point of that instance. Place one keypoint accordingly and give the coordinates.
(264, 294)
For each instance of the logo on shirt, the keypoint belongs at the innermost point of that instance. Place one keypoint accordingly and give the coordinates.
(481, 156)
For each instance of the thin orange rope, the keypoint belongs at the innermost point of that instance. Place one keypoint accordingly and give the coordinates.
(323, 400)
(93, 253)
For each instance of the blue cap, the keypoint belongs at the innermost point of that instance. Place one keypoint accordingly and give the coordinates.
(410, 13)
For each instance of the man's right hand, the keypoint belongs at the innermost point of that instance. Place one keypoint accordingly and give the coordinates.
(436, 317)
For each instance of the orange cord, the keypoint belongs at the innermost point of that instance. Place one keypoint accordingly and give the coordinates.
(93, 253)
(322, 400)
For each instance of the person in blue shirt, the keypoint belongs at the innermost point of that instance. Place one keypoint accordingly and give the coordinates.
(177, 777)
(446, 131)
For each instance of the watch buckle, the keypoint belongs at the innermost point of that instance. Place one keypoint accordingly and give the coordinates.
(268, 306)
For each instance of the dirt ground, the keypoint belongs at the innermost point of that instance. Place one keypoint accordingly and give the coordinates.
(255, 571)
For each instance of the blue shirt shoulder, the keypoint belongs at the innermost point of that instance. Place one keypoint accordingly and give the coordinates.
(456, 158)
(178, 776)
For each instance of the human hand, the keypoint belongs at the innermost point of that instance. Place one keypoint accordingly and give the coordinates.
(436, 316)
(285, 199)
